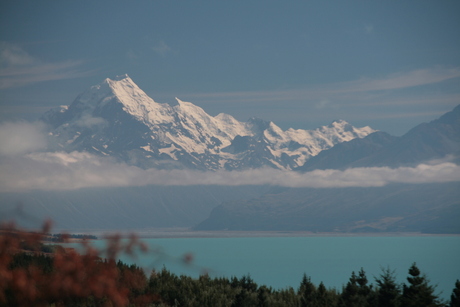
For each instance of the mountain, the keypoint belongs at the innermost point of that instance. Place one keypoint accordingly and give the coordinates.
(343, 154)
(428, 141)
(116, 118)
(121, 208)
(431, 208)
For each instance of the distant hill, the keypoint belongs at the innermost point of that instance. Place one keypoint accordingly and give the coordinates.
(433, 140)
(433, 208)
(121, 208)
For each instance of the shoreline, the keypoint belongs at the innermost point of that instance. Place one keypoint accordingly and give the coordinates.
(184, 233)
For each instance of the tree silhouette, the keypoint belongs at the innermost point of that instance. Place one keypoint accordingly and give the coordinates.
(33, 274)
(307, 292)
(419, 292)
(388, 291)
(455, 296)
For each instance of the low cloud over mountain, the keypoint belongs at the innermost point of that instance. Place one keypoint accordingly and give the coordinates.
(115, 136)
(75, 170)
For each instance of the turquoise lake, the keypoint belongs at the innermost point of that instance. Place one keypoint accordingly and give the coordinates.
(280, 262)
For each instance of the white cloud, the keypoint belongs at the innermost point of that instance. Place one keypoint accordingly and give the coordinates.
(350, 90)
(18, 68)
(21, 137)
(75, 170)
(401, 80)
(161, 48)
(407, 97)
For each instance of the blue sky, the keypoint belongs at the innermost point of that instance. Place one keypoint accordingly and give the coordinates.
(301, 64)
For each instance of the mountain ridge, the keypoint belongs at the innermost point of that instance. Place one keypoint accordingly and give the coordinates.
(429, 207)
(432, 208)
(437, 139)
(117, 118)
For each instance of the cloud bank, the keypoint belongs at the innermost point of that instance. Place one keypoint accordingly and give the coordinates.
(76, 170)
(25, 166)
(21, 137)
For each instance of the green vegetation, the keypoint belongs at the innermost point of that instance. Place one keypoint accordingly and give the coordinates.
(163, 288)
(63, 277)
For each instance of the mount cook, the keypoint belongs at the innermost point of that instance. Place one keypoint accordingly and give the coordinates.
(116, 118)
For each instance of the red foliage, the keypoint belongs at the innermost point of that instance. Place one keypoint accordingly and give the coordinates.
(73, 276)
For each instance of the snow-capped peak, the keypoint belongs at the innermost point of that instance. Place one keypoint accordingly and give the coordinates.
(345, 127)
(135, 101)
(116, 117)
(127, 91)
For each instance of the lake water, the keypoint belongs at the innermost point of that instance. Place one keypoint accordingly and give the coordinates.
(281, 261)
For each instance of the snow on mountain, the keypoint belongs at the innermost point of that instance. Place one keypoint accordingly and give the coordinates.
(311, 142)
(116, 118)
(137, 103)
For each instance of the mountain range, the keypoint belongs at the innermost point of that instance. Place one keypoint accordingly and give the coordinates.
(117, 119)
(427, 141)
(432, 207)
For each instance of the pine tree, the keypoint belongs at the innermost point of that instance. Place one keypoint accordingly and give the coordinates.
(349, 297)
(366, 295)
(455, 296)
(245, 296)
(324, 297)
(419, 292)
(389, 291)
(357, 292)
(364, 290)
(263, 295)
(307, 291)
